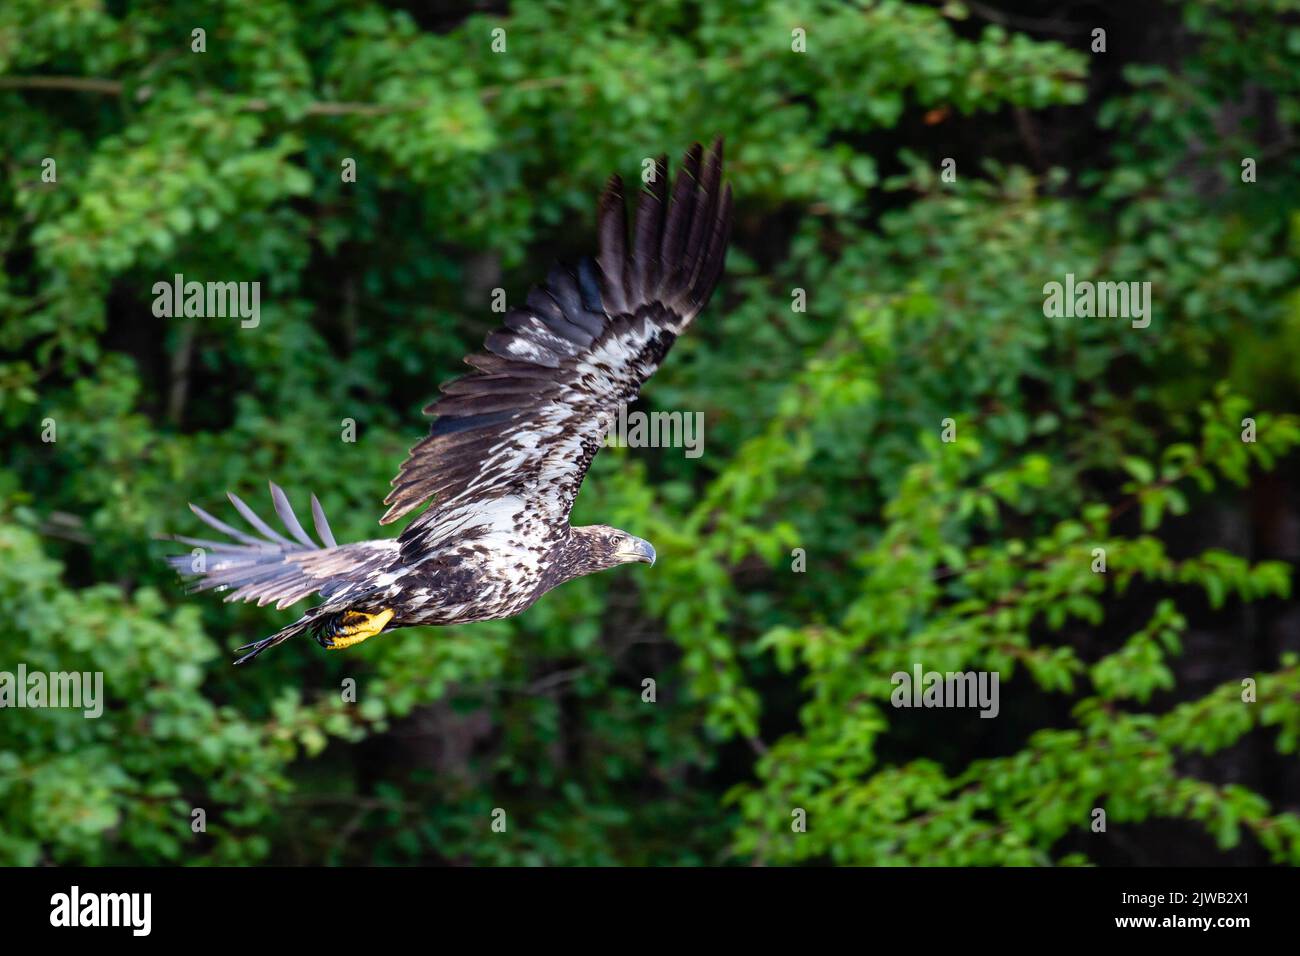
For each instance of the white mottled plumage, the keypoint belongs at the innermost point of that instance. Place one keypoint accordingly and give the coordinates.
(511, 442)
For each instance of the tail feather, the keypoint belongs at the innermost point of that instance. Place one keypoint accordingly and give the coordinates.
(279, 637)
(321, 616)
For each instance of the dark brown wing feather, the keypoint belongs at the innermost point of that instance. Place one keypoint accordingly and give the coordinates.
(530, 419)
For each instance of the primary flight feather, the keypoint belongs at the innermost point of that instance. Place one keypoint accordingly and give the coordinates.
(510, 442)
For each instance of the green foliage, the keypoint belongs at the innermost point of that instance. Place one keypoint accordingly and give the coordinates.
(925, 303)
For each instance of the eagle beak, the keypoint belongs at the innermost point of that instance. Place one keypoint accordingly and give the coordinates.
(636, 549)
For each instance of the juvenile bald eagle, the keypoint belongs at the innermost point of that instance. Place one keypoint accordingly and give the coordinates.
(509, 444)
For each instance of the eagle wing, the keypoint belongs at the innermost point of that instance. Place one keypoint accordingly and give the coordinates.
(273, 568)
(525, 426)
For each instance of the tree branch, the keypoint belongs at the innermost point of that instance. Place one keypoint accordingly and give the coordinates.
(81, 84)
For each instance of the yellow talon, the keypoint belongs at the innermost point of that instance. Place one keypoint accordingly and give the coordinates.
(355, 627)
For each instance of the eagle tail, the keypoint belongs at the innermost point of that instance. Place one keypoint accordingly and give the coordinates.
(332, 626)
(279, 637)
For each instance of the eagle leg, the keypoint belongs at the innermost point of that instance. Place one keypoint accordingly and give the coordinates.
(352, 627)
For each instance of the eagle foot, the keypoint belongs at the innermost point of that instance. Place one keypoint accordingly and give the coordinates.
(352, 627)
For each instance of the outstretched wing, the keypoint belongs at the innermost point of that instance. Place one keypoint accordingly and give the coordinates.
(527, 423)
(276, 568)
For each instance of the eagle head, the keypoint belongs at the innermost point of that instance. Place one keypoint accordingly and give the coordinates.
(605, 547)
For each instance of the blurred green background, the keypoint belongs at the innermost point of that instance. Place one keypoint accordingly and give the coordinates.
(1121, 690)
